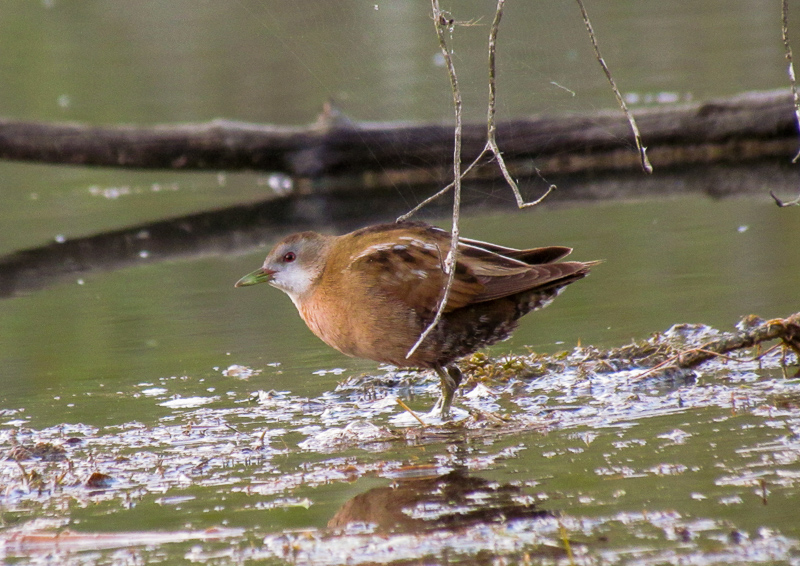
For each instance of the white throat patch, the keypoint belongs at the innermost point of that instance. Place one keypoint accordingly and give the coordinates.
(294, 281)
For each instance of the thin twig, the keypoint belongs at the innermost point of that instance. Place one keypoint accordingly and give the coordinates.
(792, 78)
(25, 477)
(642, 149)
(491, 132)
(666, 363)
(784, 371)
(413, 414)
(488, 416)
(491, 126)
(728, 358)
(443, 191)
(440, 22)
(562, 531)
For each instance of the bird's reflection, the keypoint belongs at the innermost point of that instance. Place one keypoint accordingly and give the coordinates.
(451, 501)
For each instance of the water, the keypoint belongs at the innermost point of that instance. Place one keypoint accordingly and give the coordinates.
(277, 62)
(665, 262)
(125, 368)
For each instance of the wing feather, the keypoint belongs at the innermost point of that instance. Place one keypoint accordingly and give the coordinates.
(411, 270)
(405, 261)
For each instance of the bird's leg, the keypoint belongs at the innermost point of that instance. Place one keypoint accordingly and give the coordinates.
(450, 378)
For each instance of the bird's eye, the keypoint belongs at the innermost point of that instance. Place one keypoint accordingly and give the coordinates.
(289, 257)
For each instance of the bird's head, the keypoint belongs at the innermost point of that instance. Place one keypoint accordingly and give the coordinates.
(293, 265)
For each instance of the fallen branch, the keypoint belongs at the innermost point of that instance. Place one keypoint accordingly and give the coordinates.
(731, 130)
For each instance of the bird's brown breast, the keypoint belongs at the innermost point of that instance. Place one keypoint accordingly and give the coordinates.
(349, 314)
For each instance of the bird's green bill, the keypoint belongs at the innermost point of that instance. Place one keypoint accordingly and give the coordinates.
(258, 276)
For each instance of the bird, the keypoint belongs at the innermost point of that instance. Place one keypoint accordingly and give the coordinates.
(372, 292)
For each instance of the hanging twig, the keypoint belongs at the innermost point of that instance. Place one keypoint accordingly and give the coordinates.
(491, 132)
(790, 70)
(441, 20)
(642, 149)
(443, 191)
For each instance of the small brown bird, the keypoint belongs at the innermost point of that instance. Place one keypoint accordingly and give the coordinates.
(372, 292)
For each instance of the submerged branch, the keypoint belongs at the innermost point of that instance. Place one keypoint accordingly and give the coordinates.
(662, 354)
(786, 329)
(683, 347)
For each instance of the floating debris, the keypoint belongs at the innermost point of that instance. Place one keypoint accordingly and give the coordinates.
(611, 443)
